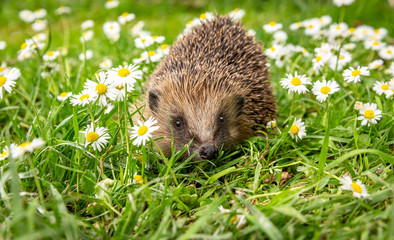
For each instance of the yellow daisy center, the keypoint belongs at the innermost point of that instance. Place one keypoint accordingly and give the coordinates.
(272, 49)
(50, 54)
(295, 81)
(273, 124)
(318, 58)
(189, 22)
(164, 47)
(356, 72)
(154, 37)
(364, 32)
(310, 26)
(123, 72)
(151, 53)
(341, 57)
(2, 80)
(357, 188)
(112, 27)
(369, 114)
(294, 129)
(101, 88)
(92, 136)
(1, 69)
(203, 16)
(138, 178)
(233, 219)
(236, 10)
(272, 23)
(85, 96)
(125, 14)
(143, 40)
(63, 94)
(25, 144)
(351, 30)
(338, 27)
(385, 87)
(375, 43)
(298, 23)
(388, 51)
(376, 30)
(120, 87)
(24, 45)
(4, 154)
(142, 130)
(325, 89)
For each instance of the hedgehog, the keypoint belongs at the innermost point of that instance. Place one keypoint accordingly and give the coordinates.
(212, 91)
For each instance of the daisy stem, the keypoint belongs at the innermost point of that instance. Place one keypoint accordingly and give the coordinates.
(292, 103)
(92, 117)
(128, 162)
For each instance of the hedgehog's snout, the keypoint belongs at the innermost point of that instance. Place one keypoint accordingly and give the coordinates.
(208, 152)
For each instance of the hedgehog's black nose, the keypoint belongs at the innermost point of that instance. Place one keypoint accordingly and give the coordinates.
(208, 152)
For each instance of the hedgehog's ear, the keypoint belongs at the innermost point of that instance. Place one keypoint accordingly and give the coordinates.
(153, 100)
(240, 101)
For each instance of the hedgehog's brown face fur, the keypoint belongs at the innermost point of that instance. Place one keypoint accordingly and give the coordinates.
(210, 116)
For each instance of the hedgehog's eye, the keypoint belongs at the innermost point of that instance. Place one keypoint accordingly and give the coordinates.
(221, 119)
(178, 123)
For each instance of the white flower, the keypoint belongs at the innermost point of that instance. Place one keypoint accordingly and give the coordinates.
(31, 146)
(85, 97)
(27, 15)
(5, 153)
(236, 14)
(362, 33)
(390, 70)
(104, 88)
(97, 137)
(207, 16)
(136, 30)
(88, 54)
(39, 25)
(39, 37)
(158, 39)
(16, 151)
(358, 105)
(121, 92)
(295, 83)
(391, 85)
(163, 49)
(358, 188)
(7, 81)
(374, 45)
(51, 55)
(295, 26)
(369, 114)
(152, 56)
(142, 132)
(387, 53)
(280, 37)
(109, 108)
(238, 219)
(64, 96)
(297, 129)
(143, 42)
(251, 32)
(106, 63)
(137, 178)
(341, 3)
(381, 87)
(379, 33)
(375, 64)
(271, 124)
(40, 13)
(111, 4)
(125, 75)
(325, 20)
(126, 17)
(338, 30)
(62, 10)
(349, 46)
(3, 45)
(272, 27)
(324, 88)
(275, 51)
(353, 75)
(344, 58)
(312, 26)
(87, 24)
(111, 28)
(86, 36)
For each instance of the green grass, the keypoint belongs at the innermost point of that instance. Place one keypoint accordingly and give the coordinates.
(285, 189)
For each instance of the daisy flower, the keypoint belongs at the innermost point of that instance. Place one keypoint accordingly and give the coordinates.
(374, 45)
(143, 42)
(238, 219)
(39, 25)
(87, 24)
(5, 153)
(27, 15)
(142, 132)
(358, 105)
(64, 96)
(62, 10)
(271, 124)
(98, 137)
(158, 39)
(369, 114)
(337, 30)
(7, 81)
(390, 70)
(126, 17)
(88, 55)
(375, 64)
(127, 74)
(16, 151)
(280, 37)
(51, 55)
(297, 130)
(163, 49)
(324, 88)
(387, 53)
(152, 56)
(381, 87)
(111, 4)
(325, 20)
(353, 75)
(236, 14)
(207, 16)
(121, 92)
(295, 26)
(340, 3)
(272, 27)
(109, 108)
(251, 33)
(86, 36)
(40, 13)
(104, 88)
(3, 45)
(312, 26)
(275, 51)
(33, 145)
(295, 83)
(85, 97)
(106, 63)
(138, 178)
(341, 61)
(358, 188)
(111, 28)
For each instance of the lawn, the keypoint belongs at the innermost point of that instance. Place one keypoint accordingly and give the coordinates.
(71, 167)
